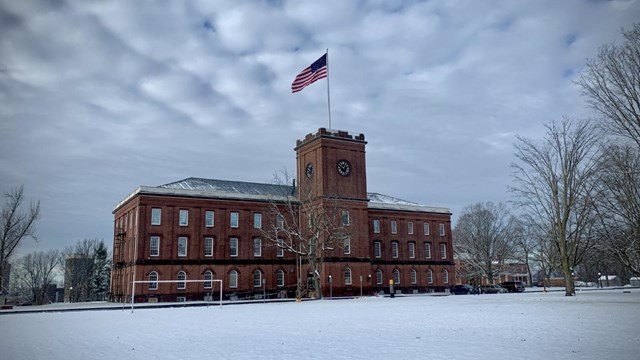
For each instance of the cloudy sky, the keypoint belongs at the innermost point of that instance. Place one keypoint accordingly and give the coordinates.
(97, 97)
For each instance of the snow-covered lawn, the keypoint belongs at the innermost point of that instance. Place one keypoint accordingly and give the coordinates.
(593, 325)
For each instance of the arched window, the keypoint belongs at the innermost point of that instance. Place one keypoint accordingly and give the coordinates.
(153, 276)
(379, 279)
(233, 279)
(414, 277)
(429, 276)
(280, 278)
(257, 278)
(208, 276)
(347, 276)
(182, 276)
(445, 276)
(396, 276)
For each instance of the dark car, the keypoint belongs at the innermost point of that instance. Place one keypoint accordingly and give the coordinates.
(493, 289)
(513, 286)
(462, 289)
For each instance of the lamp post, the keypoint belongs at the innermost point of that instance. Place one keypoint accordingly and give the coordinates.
(264, 290)
(599, 280)
(330, 287)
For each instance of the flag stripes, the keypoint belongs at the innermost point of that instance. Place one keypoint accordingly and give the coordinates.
(310, 74)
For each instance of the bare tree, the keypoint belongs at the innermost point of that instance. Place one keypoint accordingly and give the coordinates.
(34, 272)
(611, 83)
(15, 225)
(619, 206)
(307, 226)
(83, 262)
(556, 185)
(484, 238)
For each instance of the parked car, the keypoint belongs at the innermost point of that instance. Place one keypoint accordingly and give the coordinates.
(513, 286)
(462, 289)
(493, 289)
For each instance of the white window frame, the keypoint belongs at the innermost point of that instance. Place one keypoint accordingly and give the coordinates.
(234, 243)
(425, 228)
(379, 277)
(259, 279)
(279, 222)
(208, 277)
(376, 226)
(156, 216)
(257, 247)
(429, 276)
(412, 250)
(183, 217)
(280, 278)
(445, 276)
(394, 227)
(182, 284)
(257, 220)
(414, 277)
(183, 242)
(427, 250)
(346, 242)
(181, 299)
(443, 251)
(396, 276)
(209, 218)
(208, 246)
(154, 277)
(377, 249)
(395, 249)
(410, 228)
(346, 219)
(157, 246)
(347, 276)
(442, 230)
(233, 279)
(280, 247)
(234, 219)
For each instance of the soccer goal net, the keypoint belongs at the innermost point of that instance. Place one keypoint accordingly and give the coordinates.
(210, 290)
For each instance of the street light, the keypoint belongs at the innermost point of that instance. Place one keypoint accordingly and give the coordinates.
(599, 280)
(330, 287)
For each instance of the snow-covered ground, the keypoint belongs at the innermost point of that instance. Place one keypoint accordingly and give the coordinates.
(601, 324)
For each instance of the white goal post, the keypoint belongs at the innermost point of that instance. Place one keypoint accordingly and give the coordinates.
(212, 281)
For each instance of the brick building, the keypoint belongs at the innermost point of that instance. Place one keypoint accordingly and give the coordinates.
(202, 229)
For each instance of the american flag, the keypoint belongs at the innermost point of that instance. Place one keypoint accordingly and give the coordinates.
(310, 74)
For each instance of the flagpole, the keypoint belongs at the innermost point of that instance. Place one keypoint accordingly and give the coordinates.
(328, 97)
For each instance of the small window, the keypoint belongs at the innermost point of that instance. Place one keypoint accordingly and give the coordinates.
(427, 250)
(429, 276)
(377, 249)
(182, 283)
(443, 251)
(410, 228)
(233, 247)
(345, 217)
(280, 248)
(279, 222)
(257, 247)
(181, 299)
(184, 217)
(156, 215)
(182, 246)
(257, 221)
(257, 279)
(309, 221)
(395, 249)
(425, 228)
(412, 250)
(441, 229)
(414, 277)
(347, 245)
(379, 278)
(208, 218)
(233, 279)
(396, 276)
(154, 246)
(235, 218)
(394, 227)
(208, 276)
(280, 278)
(347, 276)
(445, 276)
(153, 276)
(208, 246)
(376, 226)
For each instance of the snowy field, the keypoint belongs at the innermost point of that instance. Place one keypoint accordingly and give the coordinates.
(593, 325)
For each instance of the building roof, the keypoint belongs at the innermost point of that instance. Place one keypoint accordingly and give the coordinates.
(239, 190)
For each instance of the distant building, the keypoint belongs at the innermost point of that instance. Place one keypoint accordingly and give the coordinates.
(211, 229)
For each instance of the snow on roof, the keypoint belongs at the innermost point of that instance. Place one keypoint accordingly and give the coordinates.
(386, 202)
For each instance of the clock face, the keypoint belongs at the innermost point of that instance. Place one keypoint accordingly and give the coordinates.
(309, 170)
(344, 168)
